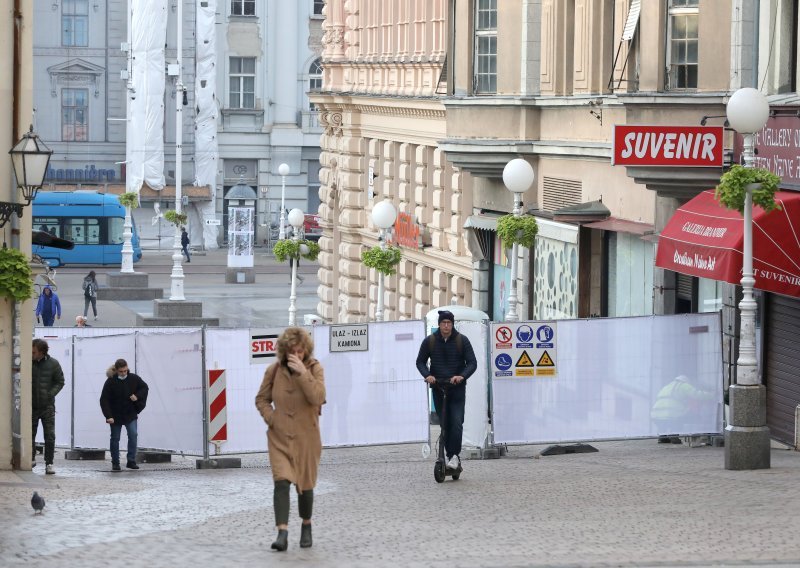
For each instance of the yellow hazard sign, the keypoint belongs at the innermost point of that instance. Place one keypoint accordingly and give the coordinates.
(525, 360)
(545, 361)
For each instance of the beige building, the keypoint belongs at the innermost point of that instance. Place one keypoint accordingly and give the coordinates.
(15, 332)
(425, 102)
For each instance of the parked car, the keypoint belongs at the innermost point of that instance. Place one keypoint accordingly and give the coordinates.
(311, 228)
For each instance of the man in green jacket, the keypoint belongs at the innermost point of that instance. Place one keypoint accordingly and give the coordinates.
(47, 379)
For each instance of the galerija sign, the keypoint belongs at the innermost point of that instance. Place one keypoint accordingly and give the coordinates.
(778, 147)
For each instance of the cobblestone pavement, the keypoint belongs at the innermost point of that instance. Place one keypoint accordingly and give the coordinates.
(633, 503)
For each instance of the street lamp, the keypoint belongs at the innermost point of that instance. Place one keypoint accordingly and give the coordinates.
(747, 441)
(283, 169)
(296, 219)
(383, 215)
(176, 277)
(518, 178)
(30, 158)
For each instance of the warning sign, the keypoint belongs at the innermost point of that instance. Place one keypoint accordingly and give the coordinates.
(524, 350)
(524, 360)
(545, 361)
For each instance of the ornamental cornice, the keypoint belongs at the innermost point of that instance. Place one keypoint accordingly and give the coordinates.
(414, 112)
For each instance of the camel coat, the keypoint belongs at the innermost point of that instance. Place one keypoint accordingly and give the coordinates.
(290, 405)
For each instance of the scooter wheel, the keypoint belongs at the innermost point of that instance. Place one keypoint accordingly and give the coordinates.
(438, 472)
(456, 476)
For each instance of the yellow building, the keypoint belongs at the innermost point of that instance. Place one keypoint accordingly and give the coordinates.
(16, 57)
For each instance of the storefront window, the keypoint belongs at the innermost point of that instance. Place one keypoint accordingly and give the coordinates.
(556, 279)
(709, 295)
(630, 275)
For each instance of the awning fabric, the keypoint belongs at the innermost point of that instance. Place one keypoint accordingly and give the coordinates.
(621, 226)
(704, 239)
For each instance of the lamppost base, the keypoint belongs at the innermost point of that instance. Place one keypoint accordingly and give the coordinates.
(747, 439)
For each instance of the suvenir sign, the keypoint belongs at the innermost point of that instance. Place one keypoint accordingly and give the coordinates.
(685, 146)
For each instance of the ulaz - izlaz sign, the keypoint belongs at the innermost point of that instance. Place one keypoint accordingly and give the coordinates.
(684, 146)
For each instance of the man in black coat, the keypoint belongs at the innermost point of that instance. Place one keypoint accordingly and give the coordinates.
(123, 398)
(453, 360)
(47, 380)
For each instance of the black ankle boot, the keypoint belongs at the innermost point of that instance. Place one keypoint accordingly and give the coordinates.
(282, 542)
(305, 536)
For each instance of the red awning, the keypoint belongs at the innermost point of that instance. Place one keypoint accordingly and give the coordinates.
(704, 239)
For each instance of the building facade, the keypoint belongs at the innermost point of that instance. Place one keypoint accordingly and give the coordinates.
(424, 103)
(264, 60)
(16, 319)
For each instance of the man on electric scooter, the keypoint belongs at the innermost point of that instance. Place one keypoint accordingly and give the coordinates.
(451, 359)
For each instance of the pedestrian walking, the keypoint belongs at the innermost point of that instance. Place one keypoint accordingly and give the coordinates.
(90, 294)
(123, 398)
(47, 380)
(185, 244)
(290, 402)
(452, 359)
(48, 309)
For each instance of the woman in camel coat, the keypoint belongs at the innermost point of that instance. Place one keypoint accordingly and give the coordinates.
(290, 401)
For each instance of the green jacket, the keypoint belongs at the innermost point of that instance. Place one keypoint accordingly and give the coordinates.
(678, 399)
(47, 380)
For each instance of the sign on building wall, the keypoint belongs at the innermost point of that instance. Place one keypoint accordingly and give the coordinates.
(685, 146)
(778, 146)
(523, 350)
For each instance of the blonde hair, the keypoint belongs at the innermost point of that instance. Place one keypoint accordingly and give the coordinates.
(294, 337)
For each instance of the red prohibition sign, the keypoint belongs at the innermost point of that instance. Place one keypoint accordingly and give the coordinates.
(503, 334)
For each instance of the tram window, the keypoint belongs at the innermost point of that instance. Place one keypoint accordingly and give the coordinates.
(82, 230)
(48, 225)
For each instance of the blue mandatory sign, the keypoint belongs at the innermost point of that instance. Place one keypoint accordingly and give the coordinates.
(503, 361)
(525, 333)
(544, 334)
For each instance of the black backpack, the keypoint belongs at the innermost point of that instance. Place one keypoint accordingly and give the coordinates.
(459, 344)
(89, 290)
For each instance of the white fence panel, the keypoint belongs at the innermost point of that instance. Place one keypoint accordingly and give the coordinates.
(609, 373)
(476, 410)
(61, 350)
(93, 356)
(172, 366)
(375, 396)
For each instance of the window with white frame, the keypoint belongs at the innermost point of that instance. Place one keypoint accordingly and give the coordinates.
(243, 7)
(683, 43)
(242, 81)
(314, 80)
(74, 115)
(318, 5)
(75, 23)
(485, 64)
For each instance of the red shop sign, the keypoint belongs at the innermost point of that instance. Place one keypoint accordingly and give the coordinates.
(685, 146)
(406, 231)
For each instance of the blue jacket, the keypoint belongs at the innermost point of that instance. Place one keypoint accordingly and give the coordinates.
(447, 358)
(55, 304)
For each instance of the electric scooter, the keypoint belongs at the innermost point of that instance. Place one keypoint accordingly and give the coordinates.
(440, 469)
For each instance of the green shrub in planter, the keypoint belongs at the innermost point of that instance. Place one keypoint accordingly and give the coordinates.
(521, 230)
(289, 248)
(129, 200)
(733, 183)
(382, 260)
(177, 219)
(16, 278)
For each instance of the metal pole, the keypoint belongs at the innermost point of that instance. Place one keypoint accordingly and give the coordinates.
(282, 230)
(176, 291)
(746, 363)
(512, 297)
(379, 307)
(204, 380)
(293, 294)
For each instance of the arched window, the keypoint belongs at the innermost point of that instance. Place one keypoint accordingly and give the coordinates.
(314, 79)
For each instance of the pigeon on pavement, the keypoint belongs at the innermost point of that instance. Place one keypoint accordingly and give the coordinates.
(37, 502)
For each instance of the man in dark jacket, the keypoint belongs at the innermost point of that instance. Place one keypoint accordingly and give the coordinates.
(47, 379)
(185, 244)
(123, 398)
(453, 360)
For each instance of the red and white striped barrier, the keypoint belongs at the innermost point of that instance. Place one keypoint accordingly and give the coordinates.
(217, 407)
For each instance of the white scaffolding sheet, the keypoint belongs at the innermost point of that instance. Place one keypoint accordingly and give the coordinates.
(375, 396)
(610, 372)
